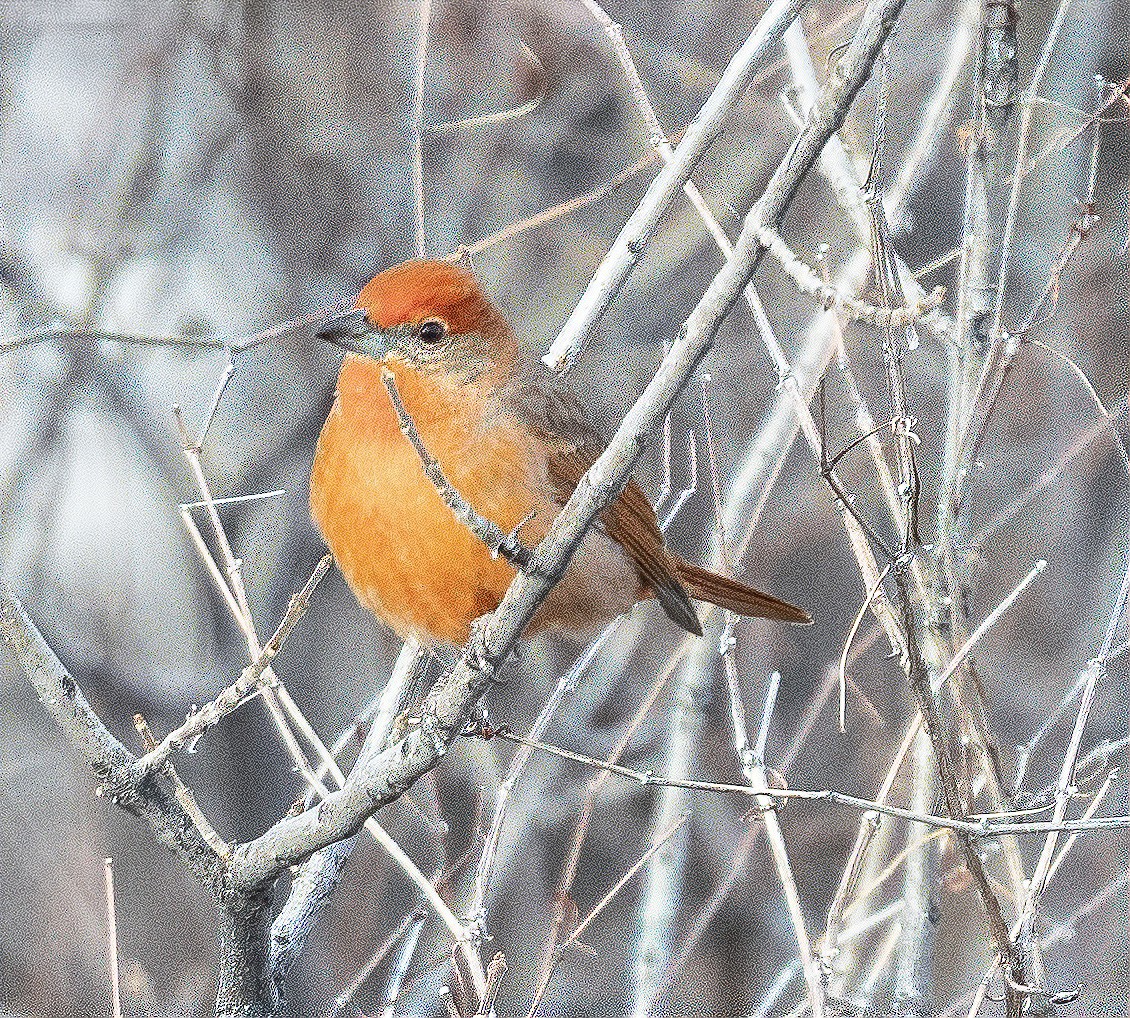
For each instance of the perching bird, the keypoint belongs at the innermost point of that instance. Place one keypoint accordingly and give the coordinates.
(512, 439)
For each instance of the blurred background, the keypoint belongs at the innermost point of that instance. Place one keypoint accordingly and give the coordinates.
(200, 167)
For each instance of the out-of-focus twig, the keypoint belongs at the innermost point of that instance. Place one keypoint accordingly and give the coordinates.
(230, 344)
(599, 907)
(556, 212)
(403, 928)
(502, 116)
(112, 939)
(418, 124)
(1028, 102)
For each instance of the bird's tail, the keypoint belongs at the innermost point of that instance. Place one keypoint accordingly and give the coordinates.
(704, 585)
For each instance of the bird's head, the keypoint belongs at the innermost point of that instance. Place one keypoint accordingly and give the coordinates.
(429, 316)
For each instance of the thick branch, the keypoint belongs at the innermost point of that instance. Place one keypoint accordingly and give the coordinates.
(112, 763)
(245, 990)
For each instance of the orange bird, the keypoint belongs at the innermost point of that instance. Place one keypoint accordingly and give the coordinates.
(511, 438)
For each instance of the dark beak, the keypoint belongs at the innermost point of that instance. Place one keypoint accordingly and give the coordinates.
(351, 331)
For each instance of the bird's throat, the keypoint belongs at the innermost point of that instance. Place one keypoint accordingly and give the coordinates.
(366, 407)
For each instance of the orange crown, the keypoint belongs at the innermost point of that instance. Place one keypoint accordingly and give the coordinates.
(417, 290)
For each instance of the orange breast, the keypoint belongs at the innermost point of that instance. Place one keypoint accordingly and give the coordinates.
(406, 556)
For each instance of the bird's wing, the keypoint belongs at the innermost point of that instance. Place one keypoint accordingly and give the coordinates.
(551, 409)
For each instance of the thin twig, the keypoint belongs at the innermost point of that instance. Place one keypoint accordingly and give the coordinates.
(831, 298)
(753, 766)
(498, 542)
(508, 114)
(112, 939)
(556, 212)
(875, 592)
(252, 680)
(418, 123)
(229, 344)
(183, 794)
(978, 826)
(600, 906)
(496, 972)
(235, 499)
(217, 396)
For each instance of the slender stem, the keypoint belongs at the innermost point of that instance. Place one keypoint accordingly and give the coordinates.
(418, 124)
(1028, 104)
(496, 540)
(112, 939)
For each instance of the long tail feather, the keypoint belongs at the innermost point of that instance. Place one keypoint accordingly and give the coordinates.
(675, 602)
(737, 597)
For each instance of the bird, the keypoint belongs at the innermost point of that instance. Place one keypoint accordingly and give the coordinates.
(512, 438)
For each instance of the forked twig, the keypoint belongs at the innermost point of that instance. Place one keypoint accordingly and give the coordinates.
(253, 679)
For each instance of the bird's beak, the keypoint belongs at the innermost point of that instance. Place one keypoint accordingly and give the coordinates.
(352, 331)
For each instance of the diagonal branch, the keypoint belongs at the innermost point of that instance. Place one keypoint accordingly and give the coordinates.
(112, 763)
(697, 139)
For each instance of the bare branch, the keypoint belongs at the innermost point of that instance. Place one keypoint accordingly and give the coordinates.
(978, 826)
(112, 939)
(112, 763)
(418, 123)
(252, 680)
(230, 344)
(697, 139)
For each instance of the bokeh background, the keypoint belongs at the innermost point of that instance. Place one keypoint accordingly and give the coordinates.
(222, 167)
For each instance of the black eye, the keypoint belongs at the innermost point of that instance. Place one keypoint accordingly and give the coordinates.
(433, 330)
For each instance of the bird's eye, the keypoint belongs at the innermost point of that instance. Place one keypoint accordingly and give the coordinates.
(433, 330)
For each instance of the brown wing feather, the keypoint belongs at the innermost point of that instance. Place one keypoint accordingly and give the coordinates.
(631, 522)
(549, 407)
(737, 597)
